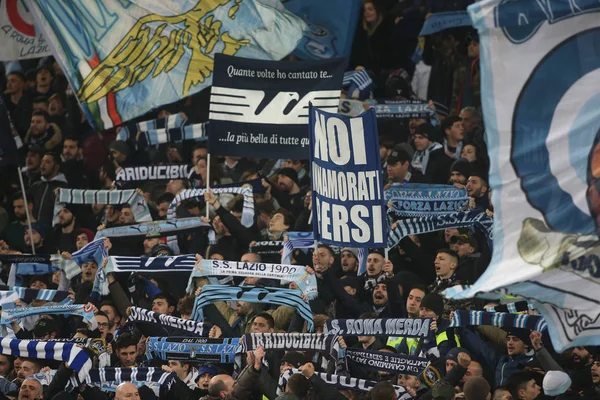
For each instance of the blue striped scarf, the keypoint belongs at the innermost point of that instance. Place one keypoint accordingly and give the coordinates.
(76, 357)
(108, 378)
(93, 251)
(8, 298)
(500, 320)
(418, 200)
(285, 297)
(28, 295)
(82, 310)
(462, 219)
(138, 204)
(132, 128)
(325, 344)
(196, 132)
(296, 240)
(29, 264)
(154, 228)
(358, 80)
(199, 350)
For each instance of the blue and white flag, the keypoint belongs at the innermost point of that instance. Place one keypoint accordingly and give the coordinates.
(418, 199)
(150, 264)
(445, 20)
(326, 37)
(347, 186)
(131, 129)
(260, 108)
(19, 37)
(545, 164)
(125, 57)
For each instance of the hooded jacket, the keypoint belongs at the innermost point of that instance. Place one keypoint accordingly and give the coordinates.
(43, 194)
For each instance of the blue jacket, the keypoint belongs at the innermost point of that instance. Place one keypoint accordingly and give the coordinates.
(504, 365)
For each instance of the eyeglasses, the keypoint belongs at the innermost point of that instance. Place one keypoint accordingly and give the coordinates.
(103, 324)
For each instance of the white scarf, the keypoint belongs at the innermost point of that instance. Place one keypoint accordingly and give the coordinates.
(421, 158)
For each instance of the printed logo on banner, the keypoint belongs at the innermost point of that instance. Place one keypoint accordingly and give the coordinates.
(260, 108)
(18, 34)
(346, 177)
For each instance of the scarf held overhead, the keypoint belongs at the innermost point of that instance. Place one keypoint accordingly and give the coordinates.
(407, 327)
(294, 273)
(132, 128)
(284, 297)
(416, 200)
(500, 320)
(138, 314)
(154, 173)
(82, 310)
(195, 132)
(200, 350)
(384, 361)
(156, 228)
(327, 344)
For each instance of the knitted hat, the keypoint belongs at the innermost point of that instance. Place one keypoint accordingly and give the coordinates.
(453, 353)
(522, 334)
(290, 173)
(352, 250)
(463, 166)
(556, 383)
(294, 358)
(434, 302)
(476, 388)
(207, 369)
(426, 130)
(120, 146)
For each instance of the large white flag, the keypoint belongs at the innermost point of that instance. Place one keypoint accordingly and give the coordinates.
(541, 96)
(18, 37)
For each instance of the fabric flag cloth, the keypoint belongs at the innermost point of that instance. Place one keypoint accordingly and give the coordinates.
(352, 108)
(242, 125)
(131, 129)
(19, 37)
(326, 37)
(342, 382)
(346, 180)
(498, 319)
(296, 240)
(76, 357)
(325, 344)
(118, 77)
(445, 20)
(292, 273)
(358, 84)
(115, 376)
(386, 361)
(8, 298)
(138, 314)
(406, 327)
(543, 159)
(461, 219)
(81, 310)
(418, 199)
(195, 132)
(196, 350)
(138, 204)
(93, 251)
(162, 228)
(154, 173)
(246, 192)
(284, 297)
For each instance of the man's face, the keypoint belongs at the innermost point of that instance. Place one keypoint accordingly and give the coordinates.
(126, 216)
(469, 152)
(413, 303)
(467, 120)
(175, 186)
(285, 366)
(198, 154)
(40, 105)
(502, 394)
(65, 217)
(243, 308)
(5, 365)
(118, 156)
(444, 265)
(88, 271)
(56, 106)
(421, 142)
(473, 370)
(31, 389)
(70, 150)
(397, 172)
(43, 77)
(27, 368)
(457, 177)
(475, 187)
(408, 382)
(462, 248)
(260, 325)
(17, 365)
(449, 365)
(596, 372)
(48, 167)
(531, 391)
(81, 241)
(203, 380)
(349, 262)
(375, 264)
(112, 214)
(324, 259)
(19, 209)
(425, 312)
(14, 84)
(113, 318)
(285, 183)
(515, 346)
(38, 125)
(456, 131)
(380, 297)
(473, 49)
(127, 356)
(277, 223)
(580, 355)
(103, 325)
(163, 209)
(161, 306)
(149, 243)
(181, 370)
(33, 161)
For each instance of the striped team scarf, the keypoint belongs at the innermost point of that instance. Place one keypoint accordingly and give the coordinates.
(25, 258)
(291, 273)
(325, 344)
(132, 128)
(28, 295)
(418, 200)
(8, 298)
(81, 310)
(196, 350)
(93, 251)
(109, 378)
(29, 264)
(138, 314)
(138, 204)
(247, 192)
(358, 81)
(154, 173)
(341, 382)
(500, 320)
(402, 109)
(76, 357)
(284, 297)
(195, 132)
(296, 240)
(153, 228)
(513, 308)
(461, 219)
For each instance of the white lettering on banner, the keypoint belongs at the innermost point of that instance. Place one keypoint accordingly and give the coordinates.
(332, 140)
(335, 223)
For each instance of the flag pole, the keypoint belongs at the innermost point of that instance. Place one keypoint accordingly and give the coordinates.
(207, 181)
(26, 209)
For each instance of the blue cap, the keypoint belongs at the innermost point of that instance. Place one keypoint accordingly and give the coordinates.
(207, 369)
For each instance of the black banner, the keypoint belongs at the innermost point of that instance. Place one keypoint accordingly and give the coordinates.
(385, 361)
(407, 327)
(260, 108)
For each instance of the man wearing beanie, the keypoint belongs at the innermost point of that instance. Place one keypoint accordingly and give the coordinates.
(460, 172)
(287, 192)
(349, 261)
(399, 169)
(429, 158)
(477, 389)
(119, 152)
(432, 306)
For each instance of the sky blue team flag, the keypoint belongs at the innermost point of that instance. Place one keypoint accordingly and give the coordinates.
(125, 57)
(348, 198)
(330, 27)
